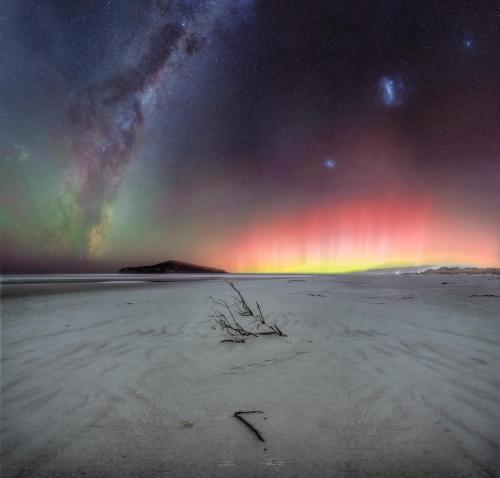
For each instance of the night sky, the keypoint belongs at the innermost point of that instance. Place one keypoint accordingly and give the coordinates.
(255, 136)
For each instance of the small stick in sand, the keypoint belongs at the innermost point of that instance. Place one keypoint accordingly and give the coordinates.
(249, 425)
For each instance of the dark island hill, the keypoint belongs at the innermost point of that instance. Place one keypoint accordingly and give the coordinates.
(169, 267)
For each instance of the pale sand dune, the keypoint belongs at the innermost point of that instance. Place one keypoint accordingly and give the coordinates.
(379, 376)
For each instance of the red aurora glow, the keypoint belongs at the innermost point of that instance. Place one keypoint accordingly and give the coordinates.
(361, 235)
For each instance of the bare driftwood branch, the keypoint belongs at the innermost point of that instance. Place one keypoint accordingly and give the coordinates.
(229, 323)
(248, 424)
(228, 318)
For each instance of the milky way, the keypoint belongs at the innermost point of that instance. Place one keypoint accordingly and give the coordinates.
(249, 135)
(107, 118)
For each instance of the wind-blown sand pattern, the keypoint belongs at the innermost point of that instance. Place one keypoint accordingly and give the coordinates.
(379, 376)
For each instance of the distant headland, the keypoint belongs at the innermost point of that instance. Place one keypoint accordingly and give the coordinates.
(463, 270)
(171, 267)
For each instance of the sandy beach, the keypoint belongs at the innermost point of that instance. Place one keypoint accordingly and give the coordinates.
(379, 376)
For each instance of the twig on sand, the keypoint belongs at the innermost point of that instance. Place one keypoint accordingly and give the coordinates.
(228, 316)
(248, 424)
